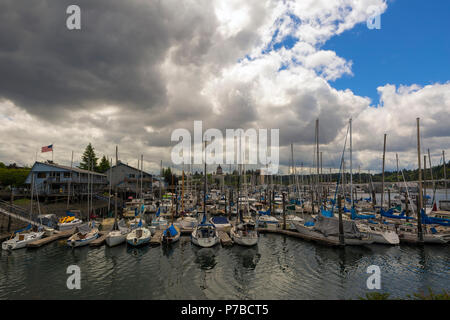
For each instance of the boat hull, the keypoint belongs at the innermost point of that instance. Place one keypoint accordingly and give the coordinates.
(15, 244)
(115, 239)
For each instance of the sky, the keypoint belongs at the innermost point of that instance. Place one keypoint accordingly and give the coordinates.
(139, 69)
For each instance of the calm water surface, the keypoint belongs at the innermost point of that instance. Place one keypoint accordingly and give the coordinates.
(277, 268)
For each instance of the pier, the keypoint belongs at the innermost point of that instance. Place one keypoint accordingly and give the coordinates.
(157, 238)
(100, 240)
(46, 240)
(325, 241)
(225, 239)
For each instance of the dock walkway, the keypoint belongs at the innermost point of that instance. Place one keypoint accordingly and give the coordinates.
(225, 239)
(157, 238)
(295, 234)
(55, 236)
(100, 240)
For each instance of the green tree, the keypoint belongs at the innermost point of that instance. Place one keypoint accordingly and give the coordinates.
(104, 165)
(2, 165)
(89, 159)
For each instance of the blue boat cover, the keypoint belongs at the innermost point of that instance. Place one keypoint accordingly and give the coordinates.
(135, 212)
(264, 212)
(28, 227)
(158, 212)
(203, 219)
(70, 214)
(140, 223)
(389, 214)
(220, 219)
(356, 216)
(172, 231)
(309, 223)
(326, 213)
(432, 220)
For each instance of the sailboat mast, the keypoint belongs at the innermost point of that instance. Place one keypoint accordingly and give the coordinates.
(204, 187)
(445, 174)
(420, 204)
(319, 201)
(382, 180)
(351, 165)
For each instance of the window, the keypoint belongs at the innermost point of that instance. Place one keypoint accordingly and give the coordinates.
(42, 175)
(131, 175)
(66, 174)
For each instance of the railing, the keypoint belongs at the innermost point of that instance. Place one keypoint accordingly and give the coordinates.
(18, 211)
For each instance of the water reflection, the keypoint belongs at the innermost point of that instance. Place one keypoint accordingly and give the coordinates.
(137, 252)
(205, 257)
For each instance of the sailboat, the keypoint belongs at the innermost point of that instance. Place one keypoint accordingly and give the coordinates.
(159, 223)
(139, 236)
(205, 234)
(24, 236)
(118, 235)
(171, 234)
(84, 235)
(244, 232)
(266, 221)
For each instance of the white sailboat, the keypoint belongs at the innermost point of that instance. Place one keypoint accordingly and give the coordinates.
(119, 235)
(139, 236)
(84, 235)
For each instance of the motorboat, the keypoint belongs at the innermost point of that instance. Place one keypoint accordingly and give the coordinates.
(21, 239)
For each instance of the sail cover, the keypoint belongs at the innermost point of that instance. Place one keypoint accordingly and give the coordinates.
(220, 220)
(330, 227)
(172, 231)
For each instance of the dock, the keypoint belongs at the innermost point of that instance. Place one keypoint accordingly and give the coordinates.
(225, 239)
(46, 240)
(322, 240)
(100, 240)
(157, 238)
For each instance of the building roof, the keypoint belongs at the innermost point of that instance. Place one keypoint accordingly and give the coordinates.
(74, 169)
(126, 165)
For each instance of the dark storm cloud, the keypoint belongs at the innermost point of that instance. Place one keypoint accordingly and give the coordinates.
(113, 59)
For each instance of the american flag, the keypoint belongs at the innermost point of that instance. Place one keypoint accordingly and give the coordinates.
(47, 148)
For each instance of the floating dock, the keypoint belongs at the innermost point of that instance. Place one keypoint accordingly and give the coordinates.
(225, 239)
(322, 240)
(100, 240)
(46, 240)
(157, 238)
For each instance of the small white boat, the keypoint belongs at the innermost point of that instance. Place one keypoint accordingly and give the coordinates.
(380, 234)
(290, 219)
(84, 235)
(205, 235)
(20, 240)
(159, 223)
(221, 223)
(245, 234)
(171, 234)
(68, 223)
(267, 222)
(138, 237)
(186, 222)
(118, 236)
